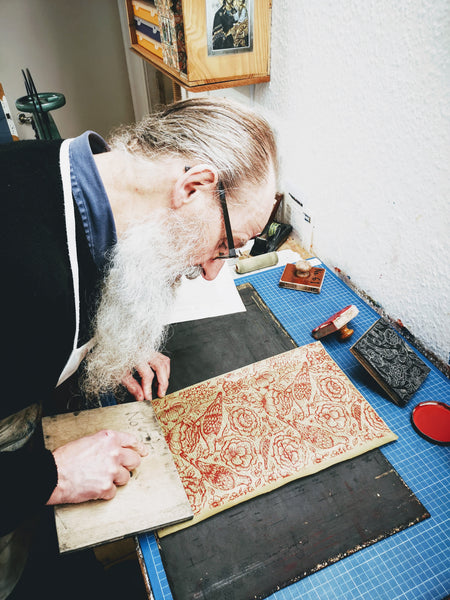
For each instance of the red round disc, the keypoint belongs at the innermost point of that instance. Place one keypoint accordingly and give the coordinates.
(431, 420)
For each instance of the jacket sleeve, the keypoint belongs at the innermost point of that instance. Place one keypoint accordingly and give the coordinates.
(29, 476)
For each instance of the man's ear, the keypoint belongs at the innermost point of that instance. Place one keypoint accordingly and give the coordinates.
(192, 183)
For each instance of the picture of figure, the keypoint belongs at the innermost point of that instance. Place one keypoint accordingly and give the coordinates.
(223, 24)
(241, 11)
(229, 26)
(240, 35)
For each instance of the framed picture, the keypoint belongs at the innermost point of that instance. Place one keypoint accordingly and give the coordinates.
(229, 26)
(208, 44)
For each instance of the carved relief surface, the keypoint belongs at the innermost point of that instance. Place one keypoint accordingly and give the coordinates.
(257, 428)
(394, 364)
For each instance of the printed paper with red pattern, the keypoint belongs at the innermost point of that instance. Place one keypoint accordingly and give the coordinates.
(254, 429)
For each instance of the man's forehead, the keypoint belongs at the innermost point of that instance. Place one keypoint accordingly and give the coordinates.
(255, 212)
(267, 191)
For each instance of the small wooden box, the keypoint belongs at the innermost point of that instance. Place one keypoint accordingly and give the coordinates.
(149, 44)
(207, 44)
(145, 11)
(149, 29)
(309, 283)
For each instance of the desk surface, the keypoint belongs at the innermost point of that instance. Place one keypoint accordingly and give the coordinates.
(411, 565)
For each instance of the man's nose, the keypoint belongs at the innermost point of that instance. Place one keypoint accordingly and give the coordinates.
(211, 268)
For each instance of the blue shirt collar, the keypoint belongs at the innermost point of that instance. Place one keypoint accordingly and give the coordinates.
(90, 195)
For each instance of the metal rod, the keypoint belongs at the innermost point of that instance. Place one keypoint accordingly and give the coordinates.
(44, 117)
(39, 114)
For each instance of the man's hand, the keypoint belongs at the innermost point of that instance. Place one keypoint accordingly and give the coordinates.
(92, 467)
(158, 365)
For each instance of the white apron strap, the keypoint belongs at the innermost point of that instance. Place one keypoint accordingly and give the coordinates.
(77, 354)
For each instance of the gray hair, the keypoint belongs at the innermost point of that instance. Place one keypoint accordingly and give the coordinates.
(237, 141)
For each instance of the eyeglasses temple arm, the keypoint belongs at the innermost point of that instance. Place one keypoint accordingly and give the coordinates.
(226, 218)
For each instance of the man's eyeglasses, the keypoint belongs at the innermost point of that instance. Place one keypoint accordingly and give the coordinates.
(226, 219)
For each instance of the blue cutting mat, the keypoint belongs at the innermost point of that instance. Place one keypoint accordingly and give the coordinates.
(411, 565)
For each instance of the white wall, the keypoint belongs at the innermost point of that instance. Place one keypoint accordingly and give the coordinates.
(360, 97)
(71, 47)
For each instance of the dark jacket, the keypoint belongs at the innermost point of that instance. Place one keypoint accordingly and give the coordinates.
(37, 310)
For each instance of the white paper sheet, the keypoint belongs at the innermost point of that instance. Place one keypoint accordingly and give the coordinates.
(199, 299)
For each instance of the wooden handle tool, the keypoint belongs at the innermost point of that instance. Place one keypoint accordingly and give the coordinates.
(302, 268)
(337, 323)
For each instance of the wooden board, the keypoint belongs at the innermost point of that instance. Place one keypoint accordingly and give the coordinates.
(153, 497)
(203, 67)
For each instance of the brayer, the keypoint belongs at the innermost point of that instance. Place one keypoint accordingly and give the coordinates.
(246, 265)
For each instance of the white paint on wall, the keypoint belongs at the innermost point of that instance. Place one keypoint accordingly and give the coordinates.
(360, 98)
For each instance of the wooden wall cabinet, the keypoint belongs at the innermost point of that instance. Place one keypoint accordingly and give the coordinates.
(203, 44)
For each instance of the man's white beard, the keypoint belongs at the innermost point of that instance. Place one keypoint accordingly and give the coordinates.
(138, 292)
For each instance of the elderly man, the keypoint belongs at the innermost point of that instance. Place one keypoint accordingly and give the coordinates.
(95, 240)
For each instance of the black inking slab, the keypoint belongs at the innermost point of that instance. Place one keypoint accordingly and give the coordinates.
(253, 549)
(209, 347)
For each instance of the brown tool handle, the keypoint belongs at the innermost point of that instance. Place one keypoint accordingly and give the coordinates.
(345, 332)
